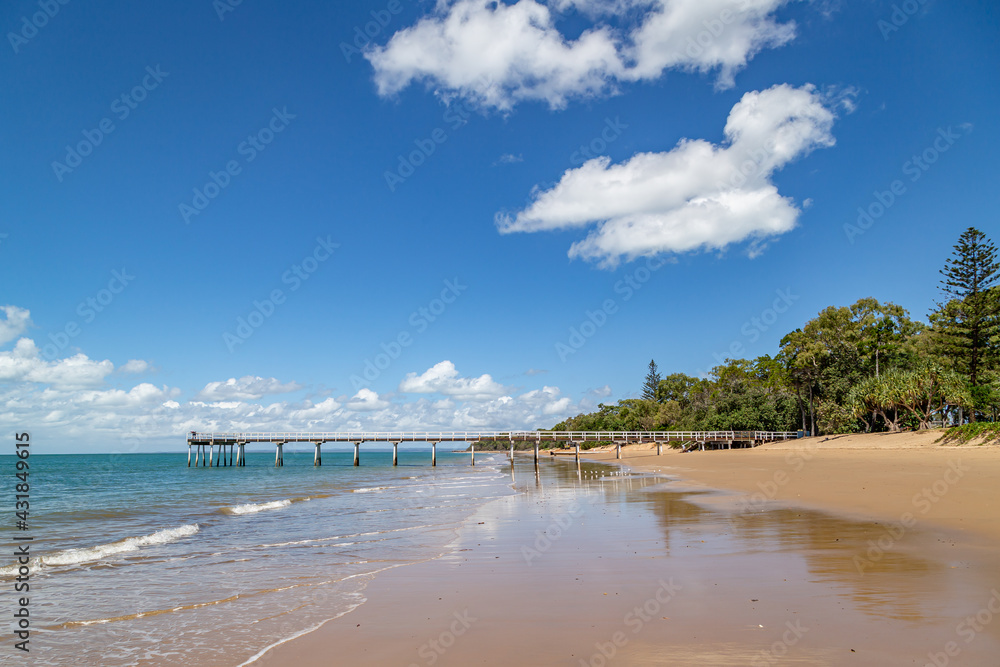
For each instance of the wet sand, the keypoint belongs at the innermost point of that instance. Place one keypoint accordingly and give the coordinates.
(595, 568)
(873, 476)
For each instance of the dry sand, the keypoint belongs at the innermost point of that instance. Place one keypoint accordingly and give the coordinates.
(783, 568)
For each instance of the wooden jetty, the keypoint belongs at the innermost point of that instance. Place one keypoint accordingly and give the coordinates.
(229, 444)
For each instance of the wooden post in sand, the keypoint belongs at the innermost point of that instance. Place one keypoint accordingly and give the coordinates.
(472, 448)
(357, 454)
(434, 453)
(536, 452)
(659, 447)
(577, 451)
(395, 453)
(618, 450)
(512, 452)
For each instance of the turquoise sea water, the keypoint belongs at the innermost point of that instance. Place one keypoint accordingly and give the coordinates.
(138, 559)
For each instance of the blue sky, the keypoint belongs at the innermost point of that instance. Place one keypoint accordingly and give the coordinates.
(515, 170)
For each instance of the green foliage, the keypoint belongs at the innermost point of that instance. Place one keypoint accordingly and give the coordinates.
(864, 367)
(898, 395)
(968, 322)
(652, 382)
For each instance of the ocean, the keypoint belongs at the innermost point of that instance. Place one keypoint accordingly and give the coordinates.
(139, 560)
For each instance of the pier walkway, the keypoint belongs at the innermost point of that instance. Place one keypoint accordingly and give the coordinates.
(201, 444)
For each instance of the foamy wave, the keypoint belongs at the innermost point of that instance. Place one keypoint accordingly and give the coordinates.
(89, 554)
(251, 508)
(372, 489)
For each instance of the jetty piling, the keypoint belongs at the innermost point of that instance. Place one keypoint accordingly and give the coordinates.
(236, 443)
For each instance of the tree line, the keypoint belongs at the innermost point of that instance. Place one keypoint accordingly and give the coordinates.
(867, 367)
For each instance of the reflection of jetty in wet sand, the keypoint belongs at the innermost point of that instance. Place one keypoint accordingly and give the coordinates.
(228, 442)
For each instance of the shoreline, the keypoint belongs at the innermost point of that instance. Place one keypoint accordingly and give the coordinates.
(563, 607)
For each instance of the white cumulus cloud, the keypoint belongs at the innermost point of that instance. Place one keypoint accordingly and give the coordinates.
(24, 364)
(443, 378)
(705, 35)
(698, 195)
(366, 400)
(79, 406)
(14, 323)
(497, 54)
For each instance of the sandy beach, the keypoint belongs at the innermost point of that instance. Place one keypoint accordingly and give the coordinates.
(860, 550)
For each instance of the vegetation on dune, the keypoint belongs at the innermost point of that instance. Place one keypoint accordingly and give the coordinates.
(864, 368)
(988, 431)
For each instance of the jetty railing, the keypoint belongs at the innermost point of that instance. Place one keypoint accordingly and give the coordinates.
(228, 441)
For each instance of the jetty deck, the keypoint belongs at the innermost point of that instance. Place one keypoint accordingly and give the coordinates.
(229, 444)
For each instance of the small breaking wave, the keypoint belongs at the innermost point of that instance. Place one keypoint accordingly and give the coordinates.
(81, 555)
(253, 508)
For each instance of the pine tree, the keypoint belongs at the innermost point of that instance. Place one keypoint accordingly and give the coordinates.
(968, 322)
(652, 382)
